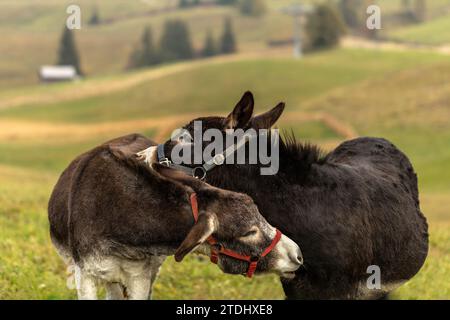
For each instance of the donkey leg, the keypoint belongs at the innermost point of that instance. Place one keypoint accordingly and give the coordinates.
(114, 291)
(140, 277)
(155, 265)
(86, 285)
(138, 287)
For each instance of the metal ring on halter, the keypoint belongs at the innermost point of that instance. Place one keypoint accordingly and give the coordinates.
(203, 173)
(166, 162)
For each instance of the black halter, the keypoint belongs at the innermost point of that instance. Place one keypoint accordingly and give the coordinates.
(199, 172)
(196, 172)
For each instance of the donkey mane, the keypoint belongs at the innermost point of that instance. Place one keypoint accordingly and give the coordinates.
(306, 153)
(297, 158)
(296, 162)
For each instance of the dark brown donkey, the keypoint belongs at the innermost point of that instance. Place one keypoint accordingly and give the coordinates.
(353, 211)
(114, 220)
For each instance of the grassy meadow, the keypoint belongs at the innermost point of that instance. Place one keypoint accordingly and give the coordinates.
(331, 96)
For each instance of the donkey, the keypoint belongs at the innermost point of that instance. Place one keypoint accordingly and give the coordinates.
(353, 210)
(115, 220)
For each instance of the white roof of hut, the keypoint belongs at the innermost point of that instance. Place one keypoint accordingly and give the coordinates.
(57, 73)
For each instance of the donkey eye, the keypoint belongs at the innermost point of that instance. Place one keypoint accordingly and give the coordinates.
(184, 138)
(250, 233)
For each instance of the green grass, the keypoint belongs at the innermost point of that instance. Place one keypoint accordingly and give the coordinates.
(434, 32)
(28, 266)
(401, 96)
(43, 155)
(312, 131)
(428, 283)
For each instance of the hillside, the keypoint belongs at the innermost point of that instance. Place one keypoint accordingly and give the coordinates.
(435, 32)
(31, 40)
(291, 80)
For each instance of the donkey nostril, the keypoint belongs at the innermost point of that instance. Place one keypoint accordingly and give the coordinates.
(297, 259)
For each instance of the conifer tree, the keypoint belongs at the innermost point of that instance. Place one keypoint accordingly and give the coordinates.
(228, 41)
(209, 48)
(95, 18)
(145, 54)
(176, 41)
(67, 53)
(254, 8)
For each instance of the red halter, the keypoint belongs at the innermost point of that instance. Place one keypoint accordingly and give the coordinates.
(217, 248)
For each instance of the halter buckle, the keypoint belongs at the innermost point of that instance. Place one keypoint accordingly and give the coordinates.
(202, 173)
(166, 162)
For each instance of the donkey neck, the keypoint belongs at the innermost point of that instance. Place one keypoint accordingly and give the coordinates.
(279, 197)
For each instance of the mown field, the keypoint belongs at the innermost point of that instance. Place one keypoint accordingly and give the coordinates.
(30, 31)
(331, 96)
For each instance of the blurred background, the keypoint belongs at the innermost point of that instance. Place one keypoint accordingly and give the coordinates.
(149, 66)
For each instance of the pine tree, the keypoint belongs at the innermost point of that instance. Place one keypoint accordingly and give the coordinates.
(228, 41)
(145, 54)
(352, 12)
(407, 11)
(254, 8)
(176, 41)
(67, 53)
(324, 27)
(149, 54)
(226, 2)
(209, 48)
(184, 4)
(95, 18)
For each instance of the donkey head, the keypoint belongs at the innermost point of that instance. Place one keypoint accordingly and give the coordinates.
(233, 220)
(241, 118)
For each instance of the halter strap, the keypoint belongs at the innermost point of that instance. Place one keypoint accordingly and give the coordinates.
(200, 171)
(194, 206)
(217, 249)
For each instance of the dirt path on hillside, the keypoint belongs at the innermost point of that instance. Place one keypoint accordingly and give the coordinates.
(28, 131)
(96, 87)
(357, 42)
(17, 130)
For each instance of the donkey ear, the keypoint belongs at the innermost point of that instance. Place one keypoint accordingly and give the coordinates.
(242, 112)
(268, 119)
(204, 227)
